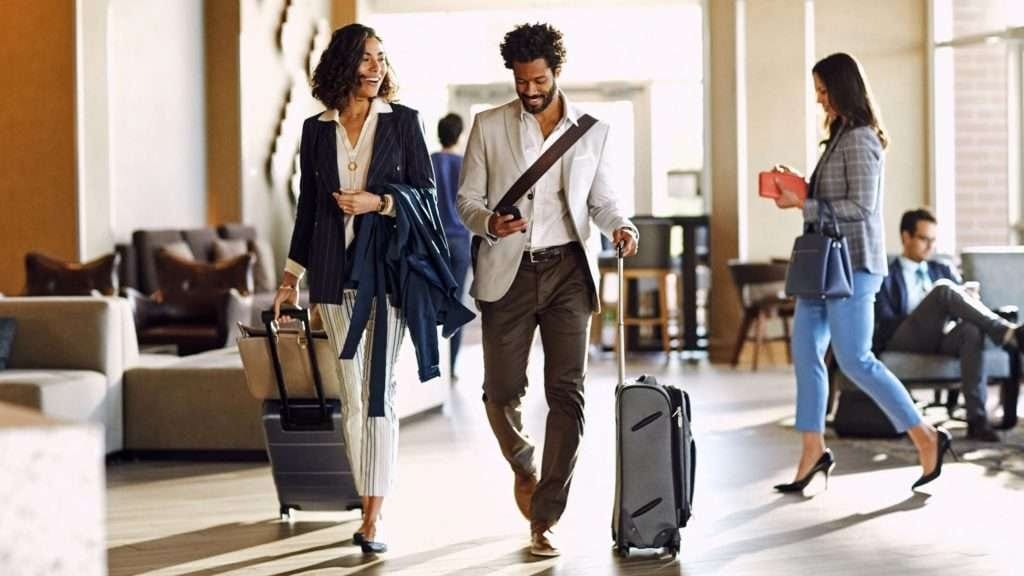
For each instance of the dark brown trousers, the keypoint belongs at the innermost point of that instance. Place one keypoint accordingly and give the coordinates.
(557, 297)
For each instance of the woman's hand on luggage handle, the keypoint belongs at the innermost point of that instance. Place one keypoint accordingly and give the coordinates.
(625, 241)
(287, 293)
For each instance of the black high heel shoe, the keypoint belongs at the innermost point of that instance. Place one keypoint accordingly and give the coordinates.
(825, 464)
(371, 547)
(945, 444)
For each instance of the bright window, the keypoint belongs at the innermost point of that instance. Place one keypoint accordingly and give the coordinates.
(637, 66)
(977, 112)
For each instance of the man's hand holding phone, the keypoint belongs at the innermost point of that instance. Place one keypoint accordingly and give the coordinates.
(506, 221)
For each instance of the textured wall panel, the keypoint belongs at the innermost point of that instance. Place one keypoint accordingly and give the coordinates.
(280, 43)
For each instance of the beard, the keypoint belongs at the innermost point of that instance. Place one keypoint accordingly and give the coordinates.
(535, 106)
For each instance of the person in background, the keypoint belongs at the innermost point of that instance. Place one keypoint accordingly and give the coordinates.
(447, 168)
(920, 297)
(849, 175)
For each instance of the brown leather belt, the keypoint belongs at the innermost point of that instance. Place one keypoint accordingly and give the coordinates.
(549, 254)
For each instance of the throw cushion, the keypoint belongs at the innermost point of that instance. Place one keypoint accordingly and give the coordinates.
(179, 249)
(45, 276)
(228, 249)
(194, 289)
(264, 273)
(7, 327)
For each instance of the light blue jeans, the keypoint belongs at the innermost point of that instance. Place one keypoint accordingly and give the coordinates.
(849, 323)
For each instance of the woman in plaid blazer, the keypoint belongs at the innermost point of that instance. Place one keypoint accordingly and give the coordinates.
(849, 176)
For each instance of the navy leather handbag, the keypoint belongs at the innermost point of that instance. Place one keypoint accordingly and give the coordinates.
(819, 266)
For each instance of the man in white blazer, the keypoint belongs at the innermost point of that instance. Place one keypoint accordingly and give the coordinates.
(539, 270)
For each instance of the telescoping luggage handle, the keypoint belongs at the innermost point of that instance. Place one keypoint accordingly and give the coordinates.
(302, 315)
(622, 324)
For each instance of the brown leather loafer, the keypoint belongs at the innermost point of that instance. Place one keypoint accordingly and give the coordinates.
(525, 484)
(540, 545)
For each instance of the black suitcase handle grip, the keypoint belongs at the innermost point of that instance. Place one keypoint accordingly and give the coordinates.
(300, 314)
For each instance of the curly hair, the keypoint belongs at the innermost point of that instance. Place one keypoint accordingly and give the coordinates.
(337, 74)
(528, 42)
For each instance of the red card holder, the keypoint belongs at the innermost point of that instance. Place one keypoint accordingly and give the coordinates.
(766, 184)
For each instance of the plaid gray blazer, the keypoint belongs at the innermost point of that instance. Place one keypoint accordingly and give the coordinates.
(850, 176)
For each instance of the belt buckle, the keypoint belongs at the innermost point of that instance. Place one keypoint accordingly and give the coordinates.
(549, 254)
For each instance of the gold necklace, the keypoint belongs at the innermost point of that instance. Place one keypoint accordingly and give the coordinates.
(352, 164)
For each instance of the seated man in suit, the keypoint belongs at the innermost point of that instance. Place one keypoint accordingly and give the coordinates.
(919, 301)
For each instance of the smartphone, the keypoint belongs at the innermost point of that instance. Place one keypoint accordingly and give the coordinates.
(513, 210)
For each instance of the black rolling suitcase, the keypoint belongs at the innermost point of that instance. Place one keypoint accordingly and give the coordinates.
(305, 436)
(655, 459)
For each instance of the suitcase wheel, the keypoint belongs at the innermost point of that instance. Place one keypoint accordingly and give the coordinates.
(285, 512)
(624, 550)
(674, 546)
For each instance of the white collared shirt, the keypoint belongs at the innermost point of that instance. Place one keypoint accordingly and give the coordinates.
(918, 284)
(360, 154)
(549, 221)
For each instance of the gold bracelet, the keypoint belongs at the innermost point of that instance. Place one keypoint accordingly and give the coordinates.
(287, 287)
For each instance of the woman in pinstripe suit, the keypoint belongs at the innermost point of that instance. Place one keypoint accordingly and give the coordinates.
(849, 175)
(361, 141)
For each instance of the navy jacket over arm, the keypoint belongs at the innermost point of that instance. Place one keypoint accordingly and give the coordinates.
(891, 300)
(405, 259)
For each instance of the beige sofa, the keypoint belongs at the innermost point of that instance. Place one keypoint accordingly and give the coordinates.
(201, 402)
(77, 359)
(69, 357)
(196, 403)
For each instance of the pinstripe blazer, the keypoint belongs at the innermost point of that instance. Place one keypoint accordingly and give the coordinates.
(849, 175)
(399, 156)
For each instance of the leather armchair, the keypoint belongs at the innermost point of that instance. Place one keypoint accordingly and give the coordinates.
(199, 312)
(158, 323)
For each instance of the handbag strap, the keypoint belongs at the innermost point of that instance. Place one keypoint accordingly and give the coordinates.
(546, 160)
(823, 206)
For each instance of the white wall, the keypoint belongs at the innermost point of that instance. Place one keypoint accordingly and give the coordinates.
(157, 158)
(95, 218)
(269, 73)
(778, 100)
(656, 48)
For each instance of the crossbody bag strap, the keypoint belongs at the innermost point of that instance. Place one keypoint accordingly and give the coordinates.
(532, 174)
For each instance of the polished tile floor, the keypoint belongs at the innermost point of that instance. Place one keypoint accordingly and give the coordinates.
(453, 513)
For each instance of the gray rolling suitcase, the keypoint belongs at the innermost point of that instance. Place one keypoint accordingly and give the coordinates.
(655, 459)
(305, 438)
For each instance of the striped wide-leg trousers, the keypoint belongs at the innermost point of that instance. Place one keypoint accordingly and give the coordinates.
(372, 442)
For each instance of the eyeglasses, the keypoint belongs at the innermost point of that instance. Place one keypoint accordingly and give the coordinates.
(927, 240)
